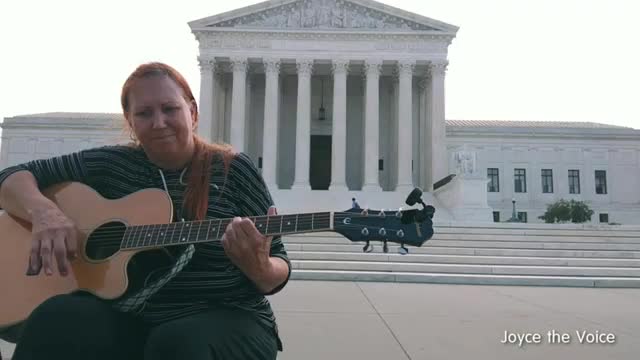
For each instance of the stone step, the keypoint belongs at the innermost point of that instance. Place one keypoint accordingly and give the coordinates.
(539, 238)
(470, 279)
(452, 250)
(482, 229)
(525, 254)
(492, 244)
(463, 259)
(545, 230)
(533, 245)
(478, 237)
(464, 268)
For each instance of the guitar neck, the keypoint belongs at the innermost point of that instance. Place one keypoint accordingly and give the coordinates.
(191, 232)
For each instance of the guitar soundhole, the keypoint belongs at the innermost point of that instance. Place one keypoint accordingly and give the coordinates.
(105, 240)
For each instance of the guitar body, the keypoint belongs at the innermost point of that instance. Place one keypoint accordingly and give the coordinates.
(104, 277)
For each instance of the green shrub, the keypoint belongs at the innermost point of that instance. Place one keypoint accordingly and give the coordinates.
(563, 211)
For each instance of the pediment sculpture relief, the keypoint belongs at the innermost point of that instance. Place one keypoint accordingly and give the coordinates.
(328, 14)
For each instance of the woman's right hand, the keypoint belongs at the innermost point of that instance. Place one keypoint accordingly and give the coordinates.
(54, 237)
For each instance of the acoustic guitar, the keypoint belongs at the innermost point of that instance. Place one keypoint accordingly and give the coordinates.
(111, 232)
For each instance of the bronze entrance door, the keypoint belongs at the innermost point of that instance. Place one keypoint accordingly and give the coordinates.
(320, 167)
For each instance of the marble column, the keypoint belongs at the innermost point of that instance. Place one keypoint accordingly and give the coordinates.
(270, 131)
(303, 125)
(219, 126)
(372, 125)
(340, 69)
(439, 160)
(405, 125)
(238, 104)
(424, 160)
(392, 154)
(205, 109)
(250, 140)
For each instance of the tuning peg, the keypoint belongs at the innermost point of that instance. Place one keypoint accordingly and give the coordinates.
(403, 250)
(385, 247)
(367, 248)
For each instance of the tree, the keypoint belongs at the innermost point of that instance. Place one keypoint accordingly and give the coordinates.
(580, 212)
(559, 211)
(562, 211)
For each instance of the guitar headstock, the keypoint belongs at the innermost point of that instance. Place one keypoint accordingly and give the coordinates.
(411, 226)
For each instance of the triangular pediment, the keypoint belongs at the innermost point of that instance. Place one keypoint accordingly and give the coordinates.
(323, 15)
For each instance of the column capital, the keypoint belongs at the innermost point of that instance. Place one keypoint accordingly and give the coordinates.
(438, 67)
(304, 66)
(271, 65)
(395, 76)
(340, 66)
(373, 66)
(206, 64)
(406, 67)
(239, 64)
(219, 69)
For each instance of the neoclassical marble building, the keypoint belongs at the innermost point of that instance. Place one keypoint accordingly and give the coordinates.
(335, 99)
(328, 94)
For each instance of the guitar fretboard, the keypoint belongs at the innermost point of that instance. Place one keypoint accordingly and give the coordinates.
(188, 232)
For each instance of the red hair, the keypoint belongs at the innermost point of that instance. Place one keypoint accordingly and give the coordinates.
(197, 193)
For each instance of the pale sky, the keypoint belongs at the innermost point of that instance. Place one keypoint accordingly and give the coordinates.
(549, 60)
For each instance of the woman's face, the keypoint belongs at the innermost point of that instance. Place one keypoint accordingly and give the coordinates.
(162, 120)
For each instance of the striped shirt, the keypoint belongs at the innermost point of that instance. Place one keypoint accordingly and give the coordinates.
(207, 278)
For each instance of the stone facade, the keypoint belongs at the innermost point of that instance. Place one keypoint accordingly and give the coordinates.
(563, 148)
(472, 147)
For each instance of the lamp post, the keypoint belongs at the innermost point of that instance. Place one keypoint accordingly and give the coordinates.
(321, 112)
(514, 215)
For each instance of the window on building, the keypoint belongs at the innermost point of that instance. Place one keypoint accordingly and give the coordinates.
(604, 218)
(522, 216)
(520, 180)
(547, 181)
(574, 181)
(496, 216)
(601, 182)
(494, 180)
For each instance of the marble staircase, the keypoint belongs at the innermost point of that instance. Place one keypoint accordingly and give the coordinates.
(482, 253)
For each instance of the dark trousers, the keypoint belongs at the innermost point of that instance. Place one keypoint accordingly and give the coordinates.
(83, 327)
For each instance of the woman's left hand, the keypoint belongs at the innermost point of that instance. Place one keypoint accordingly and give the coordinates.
(247, 248)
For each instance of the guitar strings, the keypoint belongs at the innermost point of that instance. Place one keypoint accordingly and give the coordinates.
(113, 234)
(110, 234)
(205, 224)
(154, 240)
(305, 221)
